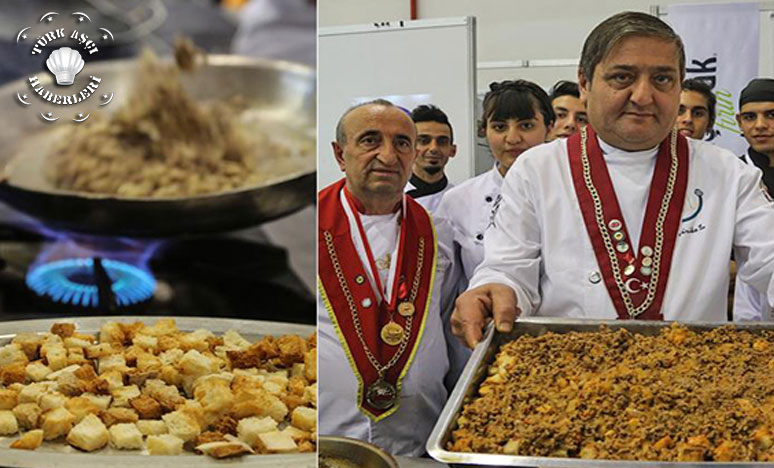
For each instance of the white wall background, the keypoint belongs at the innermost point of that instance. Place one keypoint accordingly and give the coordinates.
(510, 30)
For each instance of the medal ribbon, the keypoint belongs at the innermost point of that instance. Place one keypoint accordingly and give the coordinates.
(633, 295)
(335, 242)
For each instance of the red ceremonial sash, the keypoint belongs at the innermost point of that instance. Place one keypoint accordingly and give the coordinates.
(335, 241)
(635, 281)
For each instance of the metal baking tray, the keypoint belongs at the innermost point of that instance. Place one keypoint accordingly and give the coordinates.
(62, 455)
(484, 354)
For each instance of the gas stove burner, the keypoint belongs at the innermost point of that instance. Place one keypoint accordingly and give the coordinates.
(76, 281)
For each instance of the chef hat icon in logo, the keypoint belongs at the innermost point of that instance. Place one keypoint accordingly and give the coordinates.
(65, 63)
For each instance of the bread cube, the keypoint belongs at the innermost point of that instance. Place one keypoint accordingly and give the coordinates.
(310, 365)
(164, 444)
(249, 428)
(115, 379)
(304, 418)
(297, 434)
(72, 342)
(13, 373)
(196, 364)
(197, 340)
(111, 332)
(162, 327)
(297, 370)
(100, 401)
(90, 434)
(29, 344)
(63, 329)
(37, 371)
(32, 393)
(258, 403)
(275, 442)
(171, 356)
(51, 401)
(152, 427)
(292, 348)
(12, 353)
(146, 407)
(8, 424)
(81, 407)
(233, 340)
(113, 416)
(146, 342)
(148, 362)
(71, 369)
(181, 425)
(310, 395)
(125, 436)
(112, 362)
(100, 350)
(121, 396)
(30, 440)
(55, 355)
(28, 415)
(56, 423)
(85, 372)
(224, 449)
(8, 398)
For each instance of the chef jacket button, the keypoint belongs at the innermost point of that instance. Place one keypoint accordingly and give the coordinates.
(366, 302)
(595, 277)
(480, 236)
(488, 199)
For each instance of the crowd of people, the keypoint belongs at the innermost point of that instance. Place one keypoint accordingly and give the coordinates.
(604, 201)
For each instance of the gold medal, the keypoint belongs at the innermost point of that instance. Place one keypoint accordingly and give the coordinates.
(392, 334)
(406, 309)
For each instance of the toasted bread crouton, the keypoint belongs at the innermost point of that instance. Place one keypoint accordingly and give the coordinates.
(297, 370)
(258, 403)
(100, 401)
(249, 428)
(81, 407)
(138, 377)
(304, 418)
(224, 449)
(112, 362)
(291, 349)
(76, 356)
(131, 330)
(168, 343)
(148, 362)
(68, 384)
(55, 356)
(197, 340)
(161, 328)
(168, 396)
(146, 407)
(29, 344)
(132, 353)
(63, 330)
(296, 385)
(64, 370)
(98, 386)
(292, 401)
(125, 436)
(8, 424)
(146, 342)
(171, 356)
(196, 364)
(32, 393)
(14, 373)
(182, 425)
(207, 437)
(151, 427)
(8, 398)
(243, 359)
(122, 395)
(30, 440)
(56, 423)
(310, 395)
(193, 409)
(310, 365)
(100, 350)
(86, 372)
(90, 434)
(111, 332)
(115, 379)
(73, 342)
(28, 415)
(113, 416)
(266, 346)
(226, 425)
(275, 442)
(12, 353)
(297, 434)
(164, 444)
(51, 401)
(233, 340)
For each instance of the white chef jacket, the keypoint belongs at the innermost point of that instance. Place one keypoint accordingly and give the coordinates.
(539, 245)
(429, 201)
(469, 207)
(749, 304)
(423, 394)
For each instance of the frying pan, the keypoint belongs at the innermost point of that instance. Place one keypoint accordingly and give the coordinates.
(281, 97)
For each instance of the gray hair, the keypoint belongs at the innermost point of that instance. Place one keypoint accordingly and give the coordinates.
(341, 135)
(613, 30)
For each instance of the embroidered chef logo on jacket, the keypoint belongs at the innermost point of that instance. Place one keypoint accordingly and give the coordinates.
(694, 205)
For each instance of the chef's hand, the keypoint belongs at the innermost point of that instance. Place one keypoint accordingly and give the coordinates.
(473, 309)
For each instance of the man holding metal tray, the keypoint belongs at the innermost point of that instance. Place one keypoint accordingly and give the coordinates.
(626, 219)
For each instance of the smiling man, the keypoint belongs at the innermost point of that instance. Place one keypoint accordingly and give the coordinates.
(628, 218)
(435, 146)
(382, 265)
(697, 109)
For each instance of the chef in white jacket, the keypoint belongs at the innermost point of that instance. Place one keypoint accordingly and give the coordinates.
(382, 267)
(627, 219)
